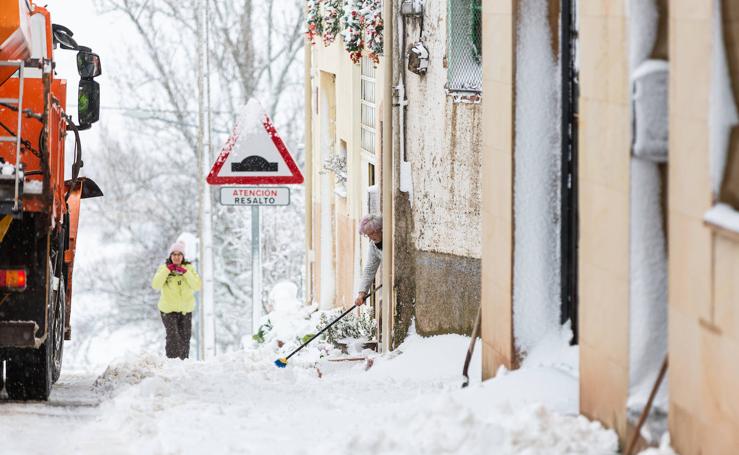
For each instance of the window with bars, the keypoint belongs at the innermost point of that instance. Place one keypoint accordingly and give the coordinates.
(367, 106)
(464, 46)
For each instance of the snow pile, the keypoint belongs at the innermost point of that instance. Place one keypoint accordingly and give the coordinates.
(241, 403)
(445, 426)
(412, 360)
(663, 449)
(409, 402)
(130, 370)
(251, 120)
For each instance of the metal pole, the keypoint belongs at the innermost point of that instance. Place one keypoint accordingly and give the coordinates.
(206, 345)
(256, 270)
(387, 177)
(308, 151)
(201, 178)
(19, 135)
(208, 279)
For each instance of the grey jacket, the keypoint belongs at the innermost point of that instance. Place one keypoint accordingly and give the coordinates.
(374, 258)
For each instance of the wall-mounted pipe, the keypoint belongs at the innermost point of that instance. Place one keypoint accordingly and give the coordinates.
(406, 184)
(387, 178)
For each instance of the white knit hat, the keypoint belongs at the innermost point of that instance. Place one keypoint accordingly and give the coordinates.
(177, 246)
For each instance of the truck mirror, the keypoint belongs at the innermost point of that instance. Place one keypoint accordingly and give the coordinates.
(88, 64)
(63, 37)
(88, 103)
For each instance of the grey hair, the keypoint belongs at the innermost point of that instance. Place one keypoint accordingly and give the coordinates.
(370, 223)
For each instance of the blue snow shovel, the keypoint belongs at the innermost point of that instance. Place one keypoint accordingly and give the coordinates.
(282, 361)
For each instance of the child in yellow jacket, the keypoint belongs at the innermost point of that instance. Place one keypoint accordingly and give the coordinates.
(178, 281)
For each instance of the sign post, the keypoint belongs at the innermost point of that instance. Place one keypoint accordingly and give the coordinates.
(255, 154)
(256, 269)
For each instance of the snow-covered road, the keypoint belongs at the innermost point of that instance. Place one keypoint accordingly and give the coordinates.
(240, 403)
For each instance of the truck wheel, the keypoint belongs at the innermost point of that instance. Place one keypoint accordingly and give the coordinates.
(58, 331)
(29, 373)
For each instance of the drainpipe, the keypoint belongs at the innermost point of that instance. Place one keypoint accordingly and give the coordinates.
(405, 166)
(308, 171)
(387, 177)
(569, 185)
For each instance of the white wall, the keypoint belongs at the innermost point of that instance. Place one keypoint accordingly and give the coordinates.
(443, 142)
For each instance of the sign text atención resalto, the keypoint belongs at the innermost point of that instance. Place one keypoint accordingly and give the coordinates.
(255, 196)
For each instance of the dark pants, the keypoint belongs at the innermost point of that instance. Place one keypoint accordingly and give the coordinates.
(179, 329)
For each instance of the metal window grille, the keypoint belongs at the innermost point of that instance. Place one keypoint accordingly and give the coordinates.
(464, 46)
(367, 103)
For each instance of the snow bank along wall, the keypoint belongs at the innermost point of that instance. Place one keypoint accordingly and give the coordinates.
(437, 222)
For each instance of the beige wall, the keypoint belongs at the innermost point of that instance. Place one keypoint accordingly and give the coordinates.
(443, 147)
(704, 265)
(703, 261)
(604, 182)
(497, 185)
(604, 145)
(333, 70)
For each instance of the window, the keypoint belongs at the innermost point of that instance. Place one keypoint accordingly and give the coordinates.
(370, 174)
(367, 102)
(464, 46)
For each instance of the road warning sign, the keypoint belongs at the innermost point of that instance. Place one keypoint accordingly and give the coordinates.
(254, 154)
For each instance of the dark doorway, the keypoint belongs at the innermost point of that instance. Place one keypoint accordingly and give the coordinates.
(569, 210)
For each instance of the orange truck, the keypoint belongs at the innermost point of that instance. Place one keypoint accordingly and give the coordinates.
(39, 209)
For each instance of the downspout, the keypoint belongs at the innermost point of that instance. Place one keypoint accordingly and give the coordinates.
(387, 177)
(402, 103)
(308, 171)
(569, 176)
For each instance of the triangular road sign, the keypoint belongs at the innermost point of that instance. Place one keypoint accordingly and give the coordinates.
(254, 154)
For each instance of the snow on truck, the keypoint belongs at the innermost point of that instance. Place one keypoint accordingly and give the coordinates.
(39, 209)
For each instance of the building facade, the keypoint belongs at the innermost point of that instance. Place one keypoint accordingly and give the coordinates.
(435, 165)
(573, 172)
(655, 264)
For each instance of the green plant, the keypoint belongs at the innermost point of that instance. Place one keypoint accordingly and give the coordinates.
(313, 20)
(353, 23)
(262, 332)
(351, 326)
(333, 12)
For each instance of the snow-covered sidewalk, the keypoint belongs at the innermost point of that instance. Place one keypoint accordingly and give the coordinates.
(409, 402)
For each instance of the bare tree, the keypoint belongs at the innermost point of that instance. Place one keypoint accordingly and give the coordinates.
(149, 170)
